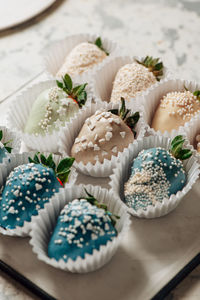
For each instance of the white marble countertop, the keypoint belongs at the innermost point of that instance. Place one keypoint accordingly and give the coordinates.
(166, 28)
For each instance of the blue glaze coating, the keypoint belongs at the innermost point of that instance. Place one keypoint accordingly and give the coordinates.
(167, 177)
(27, 189)
(81, 228)
(3, 153)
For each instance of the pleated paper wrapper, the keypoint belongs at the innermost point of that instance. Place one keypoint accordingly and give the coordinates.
(121, 175)
(103, 78)
(55, 56)
(15, 141)
(70, 132)
(150, 101)
(46, 221)
(19, 112)
(5, 169)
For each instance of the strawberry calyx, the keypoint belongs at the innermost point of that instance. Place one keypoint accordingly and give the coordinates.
(62, 170)
(124, 114)
(77, 93)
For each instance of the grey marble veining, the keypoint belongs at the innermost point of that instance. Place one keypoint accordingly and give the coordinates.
(166, 28)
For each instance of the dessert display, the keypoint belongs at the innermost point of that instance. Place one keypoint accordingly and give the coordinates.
(156, 174)
(4, 147)
(134, 78)
(55, 106)
(79, 233)
(82, 227)
(29, 186)
(175, 109)
(82, 58)
(104, 134)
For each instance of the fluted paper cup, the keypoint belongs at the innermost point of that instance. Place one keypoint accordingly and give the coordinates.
(6, 168)
(15, 141)
(122, 171)
(150, 101)
(69, 133)
(102, 83)
(46, 221)
(191, 130)
(57, 53)
(20, 110)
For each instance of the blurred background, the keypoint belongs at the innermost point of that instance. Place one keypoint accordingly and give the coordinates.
(168, 29)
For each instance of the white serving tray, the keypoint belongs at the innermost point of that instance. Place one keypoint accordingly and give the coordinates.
(151, 254)
(14, 13)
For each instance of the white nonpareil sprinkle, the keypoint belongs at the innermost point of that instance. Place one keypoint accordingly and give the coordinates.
(130, 80)
(182, 102)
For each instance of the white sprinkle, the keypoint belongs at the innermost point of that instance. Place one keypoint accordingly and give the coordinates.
(114, 149)
(38, 186)
(123, 133)
(108, 135)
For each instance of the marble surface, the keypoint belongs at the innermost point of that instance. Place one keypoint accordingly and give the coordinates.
(166, 28)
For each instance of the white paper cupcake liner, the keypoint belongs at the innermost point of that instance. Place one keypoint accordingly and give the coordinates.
(57, 53)
(150, 101)
(102, 83)
(5, 169)
(191, 130)
(19, 112)
(122, 172)
(15, 141)
(70, 132)
(46, 221)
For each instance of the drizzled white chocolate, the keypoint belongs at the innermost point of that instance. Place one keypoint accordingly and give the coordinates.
(102, 135)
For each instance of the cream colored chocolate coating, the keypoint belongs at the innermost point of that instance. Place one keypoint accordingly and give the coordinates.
(101, 136)
(130, 80)
(198, 142)
(83, 57)
(174, 110)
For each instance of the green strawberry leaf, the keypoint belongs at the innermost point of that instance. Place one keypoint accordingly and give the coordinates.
(43, 159)
(98, 43)
(153, 65)
(63, 169)
(60, 84)
(64, 177)
(92, 200)
(77, 93)
(50, 162)
(64, 165)
(176, 148)
(68, 82)
(123, 113)
(9, 149)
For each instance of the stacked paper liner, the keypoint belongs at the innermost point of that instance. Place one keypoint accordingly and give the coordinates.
(5, 169)
(122, 173)
(46, 221)
(104, 77)
(191, 130)
(20, 110)
(14, 138)
(70, 132)
(150, 101)
(54, 59)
